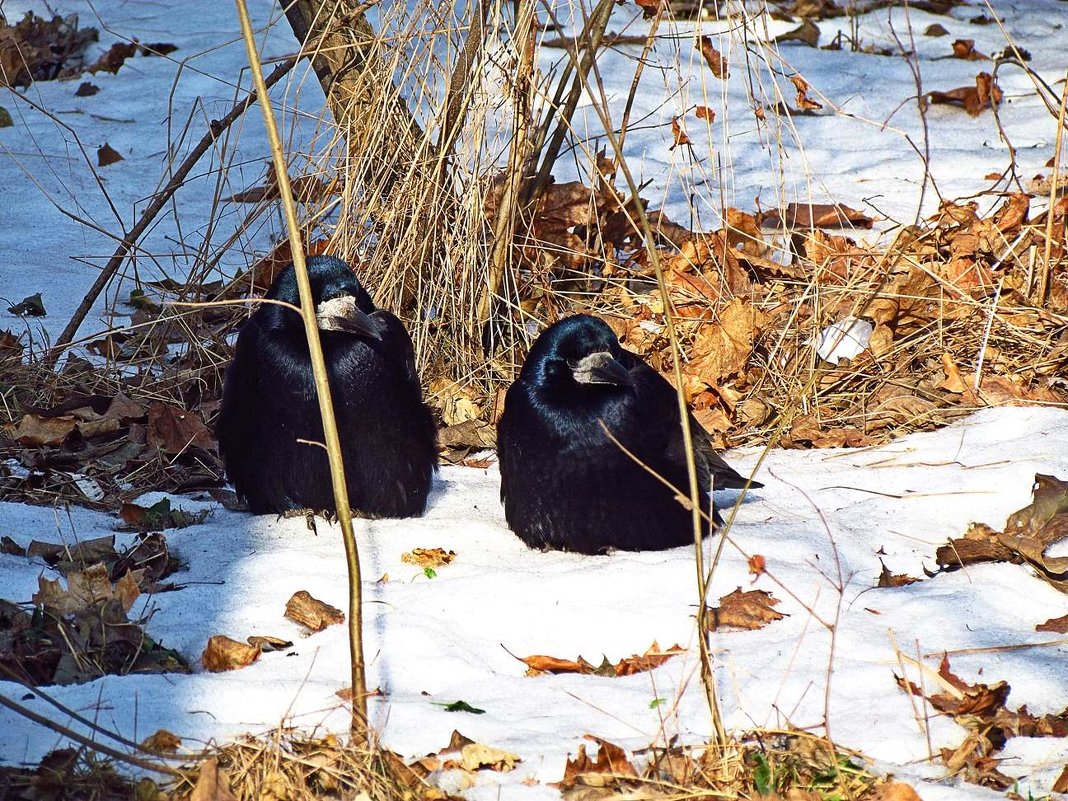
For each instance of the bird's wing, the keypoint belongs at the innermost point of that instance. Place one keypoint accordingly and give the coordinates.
(657, 393)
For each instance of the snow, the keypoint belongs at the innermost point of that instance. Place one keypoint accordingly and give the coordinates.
(430, 642)
(823, 521)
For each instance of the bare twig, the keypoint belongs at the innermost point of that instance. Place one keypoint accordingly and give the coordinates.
(82, 740)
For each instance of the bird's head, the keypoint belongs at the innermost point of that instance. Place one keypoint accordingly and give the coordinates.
(341, 302)
(579, 351)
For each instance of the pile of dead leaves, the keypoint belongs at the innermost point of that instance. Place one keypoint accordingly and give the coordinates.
(39, 49)
(78, 436)
(79, 626)
(981, 709)
(957, 307)
(767, 765)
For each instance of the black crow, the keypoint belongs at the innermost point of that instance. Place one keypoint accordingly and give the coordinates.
(565, 484)
(270, 404)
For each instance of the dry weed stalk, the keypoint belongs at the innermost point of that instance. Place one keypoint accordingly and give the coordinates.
(360, 730)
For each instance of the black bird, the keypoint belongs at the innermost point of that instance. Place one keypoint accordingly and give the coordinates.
(565, 484)
(269, 403)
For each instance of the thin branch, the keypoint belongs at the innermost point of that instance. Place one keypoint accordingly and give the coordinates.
(160, 200)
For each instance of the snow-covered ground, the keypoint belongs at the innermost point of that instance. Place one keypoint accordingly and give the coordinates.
(434, 641)
(431, 642)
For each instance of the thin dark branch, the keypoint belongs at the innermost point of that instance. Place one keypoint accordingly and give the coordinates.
(157, 205)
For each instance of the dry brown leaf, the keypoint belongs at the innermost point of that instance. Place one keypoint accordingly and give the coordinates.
(806, 33)
(979, 544)
(722, 349)
(428, 557)
(803, 101)
(705, 113)
(223, 653)
(476, 756)
(35, 430)
(652, 658)
(84, 589)
(1012, 213)
(743, 610)
(538, 664)
(267, 643)
(308, 611)
(817, 215)
(476, 434)
(113, 58)
(173, 430)
(953, 382)
(965, 49)
(128, 589)
(888, 580)
(1031, 531)
(1061, 784)
(650, 8)
(107, 155)
(716, 62)
(679, 135)
(611, 762)
(1058, 625)
(972, 98)
(900, 409)
(213, 783)
(162, 742)
(1000, 390)
(457, 404)
(757, 565)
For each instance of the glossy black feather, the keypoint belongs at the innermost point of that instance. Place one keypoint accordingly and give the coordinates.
(565, 484)
(269, 403)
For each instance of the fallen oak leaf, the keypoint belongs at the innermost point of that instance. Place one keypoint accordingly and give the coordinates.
(887, 579)
(807, 33)
(476, 756)
(538, 664)
(749, 610)
(267, 643)
(803, 101)
(611, 761)
(173, 429)
(213, 783)
(652, 658)
(223, 653)
(816, 215)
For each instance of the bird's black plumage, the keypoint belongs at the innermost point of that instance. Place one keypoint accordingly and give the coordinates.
(269, 403)
(565, 484)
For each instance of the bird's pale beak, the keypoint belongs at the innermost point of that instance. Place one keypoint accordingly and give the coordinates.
(342, 314)
(601, 368)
